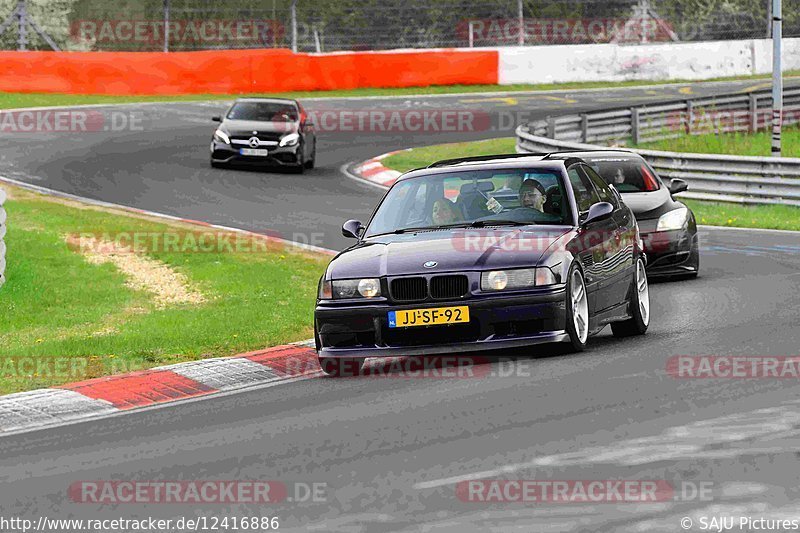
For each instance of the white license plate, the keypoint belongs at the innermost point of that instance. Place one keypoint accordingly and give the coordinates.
(254, 151)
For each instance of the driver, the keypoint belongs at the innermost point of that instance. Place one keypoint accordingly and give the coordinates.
(444, 212)
(532, 195)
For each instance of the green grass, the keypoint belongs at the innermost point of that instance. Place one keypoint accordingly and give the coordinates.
(424, 156)
(17, 100)
(56, 304)
(708, 213)
(757, 144)
(783, 217)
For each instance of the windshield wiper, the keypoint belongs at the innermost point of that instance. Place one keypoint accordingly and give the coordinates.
(430, 228)
(484, 223)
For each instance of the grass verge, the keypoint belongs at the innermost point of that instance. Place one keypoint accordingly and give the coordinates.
(708, 213)
(57, 305)
(425, 155)
(16, 100)
(757, 144)
(783, 217)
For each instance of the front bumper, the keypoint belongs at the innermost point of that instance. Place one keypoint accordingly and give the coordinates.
(671, 253)
(496, 321)
(288, 156)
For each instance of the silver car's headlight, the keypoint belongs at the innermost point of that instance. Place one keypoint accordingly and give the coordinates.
(520, 278)
(290, 140)
(355, 288)
(222, 137)
(673, 220)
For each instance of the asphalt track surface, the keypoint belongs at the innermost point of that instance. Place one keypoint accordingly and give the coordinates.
(391, 450)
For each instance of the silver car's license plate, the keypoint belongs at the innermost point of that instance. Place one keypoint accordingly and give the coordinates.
(254, 151)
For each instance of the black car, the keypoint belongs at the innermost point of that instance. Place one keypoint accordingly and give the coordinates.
(483, 253)
(669, 228)
(265, 132)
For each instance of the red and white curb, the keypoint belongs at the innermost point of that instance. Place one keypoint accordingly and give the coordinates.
(373, 170)
(107, 396)
(96, 398)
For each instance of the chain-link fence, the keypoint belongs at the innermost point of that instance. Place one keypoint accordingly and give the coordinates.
(332, 25)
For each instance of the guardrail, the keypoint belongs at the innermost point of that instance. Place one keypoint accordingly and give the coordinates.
(2, 237)
(741, 179)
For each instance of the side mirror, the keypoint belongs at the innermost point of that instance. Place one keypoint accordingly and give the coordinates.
(352, 229)
(598, 212)
(677, 185)
(216, 118)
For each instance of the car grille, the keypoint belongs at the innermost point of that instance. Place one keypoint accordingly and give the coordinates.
(443, 287)
(262, 136)
(409, 289)
(417, 289)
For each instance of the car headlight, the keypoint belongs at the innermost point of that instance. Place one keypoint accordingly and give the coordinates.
(521, 278)
(291, 139)
(222, 137)
(325, 290)
(350, 288)
(673, 220)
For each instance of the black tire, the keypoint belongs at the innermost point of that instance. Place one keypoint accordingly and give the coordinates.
(577, 339)
(214, 164)
(340, 367)
(311, 162)
(640, 315)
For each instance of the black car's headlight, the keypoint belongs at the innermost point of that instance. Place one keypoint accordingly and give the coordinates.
(349, 288)
(222, 137)
(290, 140)
(520, 278)
(673, 220)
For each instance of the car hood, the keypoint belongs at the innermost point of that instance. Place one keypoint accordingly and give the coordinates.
(453, 251)
(649, 205)
(247, 127)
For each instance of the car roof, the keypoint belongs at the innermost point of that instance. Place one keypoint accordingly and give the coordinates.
(522, 161)
(267, 100)
(595, 154)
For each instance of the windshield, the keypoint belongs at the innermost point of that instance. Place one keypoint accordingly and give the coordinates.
(263, 111)
(473, 198)
(626, 174)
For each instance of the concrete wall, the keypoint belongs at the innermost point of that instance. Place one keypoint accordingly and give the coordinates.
(663, 61)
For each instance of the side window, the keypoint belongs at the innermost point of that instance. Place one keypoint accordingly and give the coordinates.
(585, 195)
(603, 189)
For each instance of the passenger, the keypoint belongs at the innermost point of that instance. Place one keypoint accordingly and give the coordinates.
(532, 195)
(444, 212)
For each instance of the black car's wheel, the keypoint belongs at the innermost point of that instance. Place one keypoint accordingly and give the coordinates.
(340, 367)
(310, 163)
(577, 309)
(640, 306)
